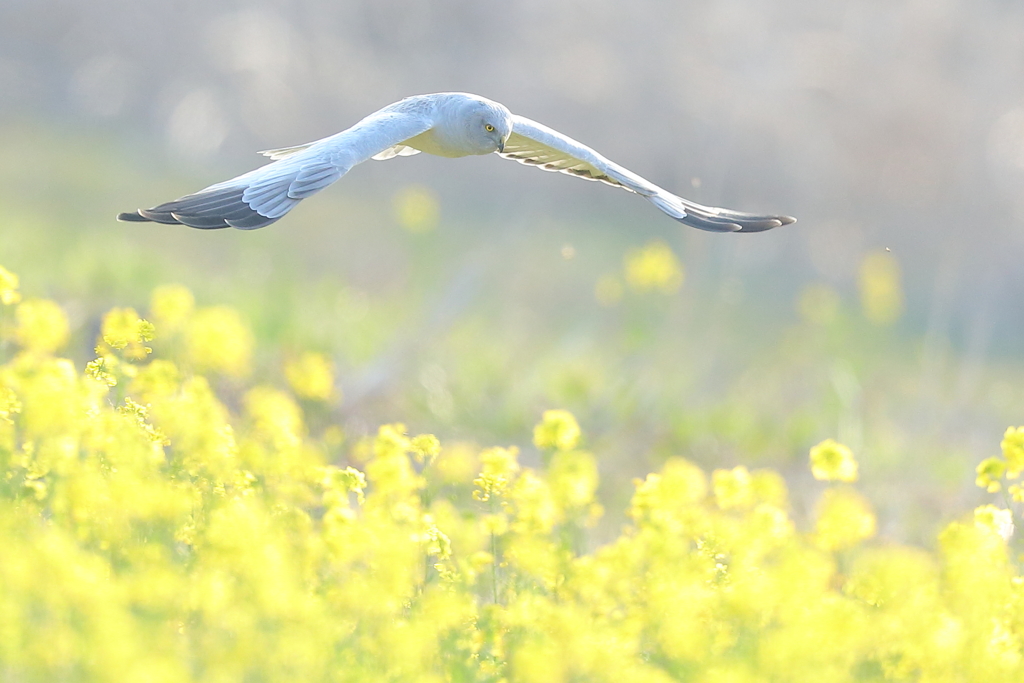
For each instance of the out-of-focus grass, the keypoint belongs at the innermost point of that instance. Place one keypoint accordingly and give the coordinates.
(471, 323)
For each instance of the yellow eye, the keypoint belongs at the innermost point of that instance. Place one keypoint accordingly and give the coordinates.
(489, 128)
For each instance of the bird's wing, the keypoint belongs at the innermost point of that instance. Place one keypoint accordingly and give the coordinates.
(537, 145)
(396, 151)
(282, 152)
(260, 197)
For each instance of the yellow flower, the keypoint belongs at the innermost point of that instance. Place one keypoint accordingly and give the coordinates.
(425, 447)
(994, 519)
(311, 376)
(499, 467)
(50, 394)
(845, 518)
(217, 339)
(171, 305)
(392, 441)
(573, 477)
(158, 378)
(103, 370)
(139, 413)
(733, 488)
(349, 480)
(8, 287)
(481, 560)
(671, 493)
(417, 209)
(124, 330)
(1016, 492)
(990, 471)
(769, 487)
(881, 292)
(653, 267)
(338, 484)
(9, 404)
(832, 461)
(456, 464)
(1013, 450)
(536, 510)
(437, 543)
(557, 429)
(41, 325)
(275, 415)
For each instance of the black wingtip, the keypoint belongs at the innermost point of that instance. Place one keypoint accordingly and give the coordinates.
(132, 217)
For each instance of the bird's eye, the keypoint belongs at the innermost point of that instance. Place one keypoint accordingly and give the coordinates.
(489, 128)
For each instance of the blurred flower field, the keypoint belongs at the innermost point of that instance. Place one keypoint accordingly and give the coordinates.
(167, 516)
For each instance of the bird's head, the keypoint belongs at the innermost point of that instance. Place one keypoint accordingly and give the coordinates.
(487, 126)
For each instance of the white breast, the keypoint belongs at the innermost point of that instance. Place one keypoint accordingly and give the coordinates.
(435, 142)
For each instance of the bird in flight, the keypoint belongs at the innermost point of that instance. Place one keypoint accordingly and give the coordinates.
(444, 124)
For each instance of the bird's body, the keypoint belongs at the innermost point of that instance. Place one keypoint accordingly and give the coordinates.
(442, 124)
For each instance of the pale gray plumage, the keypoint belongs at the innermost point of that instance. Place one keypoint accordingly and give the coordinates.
(444, 124)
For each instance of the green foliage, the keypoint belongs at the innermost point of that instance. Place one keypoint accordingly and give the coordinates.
(151, 531)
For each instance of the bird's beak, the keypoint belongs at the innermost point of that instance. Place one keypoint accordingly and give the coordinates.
(501, 146)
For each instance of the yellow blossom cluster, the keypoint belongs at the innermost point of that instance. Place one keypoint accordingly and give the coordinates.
(832, 461)
(993, 471)
(417, 209)
(8, 287)
(151, 530)
(653, 267)
(881, 289)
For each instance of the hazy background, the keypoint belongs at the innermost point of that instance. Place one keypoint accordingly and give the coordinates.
(892, 130)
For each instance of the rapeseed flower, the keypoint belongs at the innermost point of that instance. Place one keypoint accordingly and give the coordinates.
(557, 429)
(653, 267)
(8, 287)
(456, 464)
(123, 330)
(990, 473)
(158, 378)
(832, 461)
(9, 404)
(881, 291)
(1012, 446)
(845, 518)
(103, 369)
(311, 376)
(218, 340)
(499, 467)
(573, 478)
(998, 520)
(41, 325)
(425, 448)
(417, 209)
(171, 305)
(733, 488)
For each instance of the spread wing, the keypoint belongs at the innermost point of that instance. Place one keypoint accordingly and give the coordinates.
(261, 197)
(537, 145)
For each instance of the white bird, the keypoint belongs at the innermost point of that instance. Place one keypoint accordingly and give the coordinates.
(444, 124)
